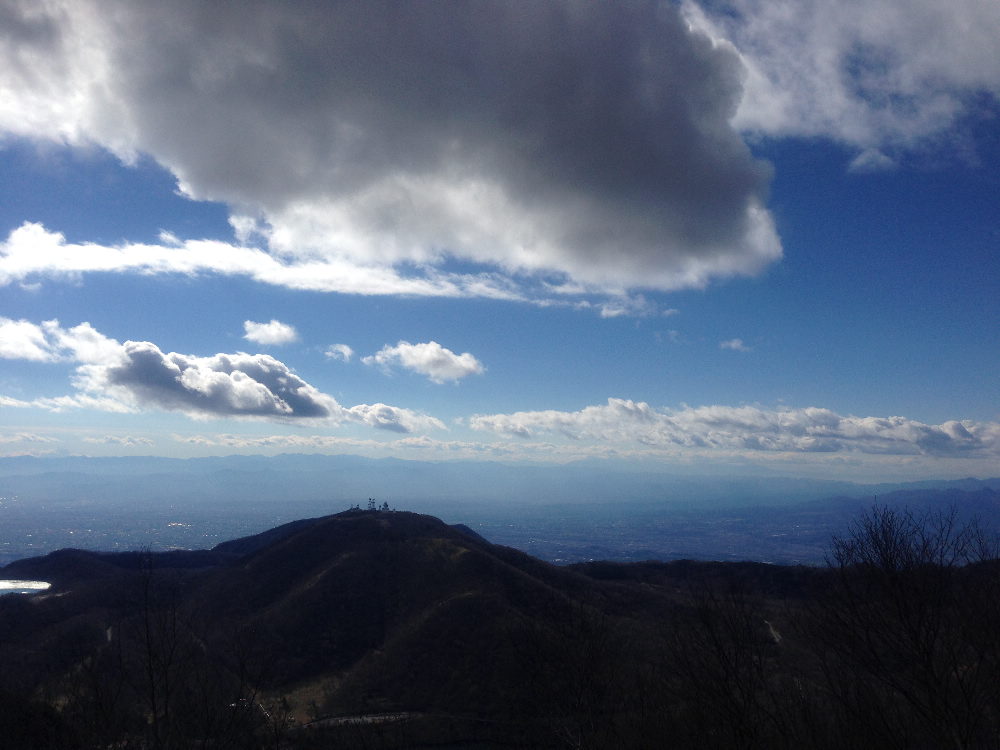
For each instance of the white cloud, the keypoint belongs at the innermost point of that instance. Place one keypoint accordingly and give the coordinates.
(876, 465)
(127, 441)
(420, 446)
(735, 345)
(229, 440)
(27, 437)
(415, 446)
(393, 418)
(224, 385)
(32, 251)
(20, 339)
(871, 160)
(274, 333)
(561, 141)
(869, 73)
(59, 404)
(751, 429)
(430, 359)
(137, 375)
(169, 238)
(81, 343)
(629, 306)
(339, 351)
(50, 342)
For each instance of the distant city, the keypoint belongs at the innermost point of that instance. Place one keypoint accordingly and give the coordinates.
(559, 514)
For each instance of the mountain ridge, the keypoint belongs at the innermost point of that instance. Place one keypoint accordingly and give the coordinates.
(394, 629)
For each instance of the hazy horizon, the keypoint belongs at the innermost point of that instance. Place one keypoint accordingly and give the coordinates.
(558, 513)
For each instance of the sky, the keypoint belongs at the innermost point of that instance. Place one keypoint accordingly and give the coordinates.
(746, 235)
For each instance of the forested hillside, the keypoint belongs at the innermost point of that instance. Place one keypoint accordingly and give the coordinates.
(392, 629)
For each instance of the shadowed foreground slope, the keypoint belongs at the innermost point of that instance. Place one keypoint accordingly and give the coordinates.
(392, 629)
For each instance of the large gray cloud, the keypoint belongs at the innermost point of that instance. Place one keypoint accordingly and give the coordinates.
(586, 142)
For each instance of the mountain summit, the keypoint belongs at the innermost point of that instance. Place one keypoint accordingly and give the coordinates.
(355, 614)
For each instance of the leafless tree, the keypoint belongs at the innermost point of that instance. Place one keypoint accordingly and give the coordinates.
(907, 630)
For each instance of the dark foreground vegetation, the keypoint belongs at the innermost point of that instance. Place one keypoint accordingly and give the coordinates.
(383, 629)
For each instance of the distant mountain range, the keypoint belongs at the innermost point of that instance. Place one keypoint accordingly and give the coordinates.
(559, 513)
(343, 478)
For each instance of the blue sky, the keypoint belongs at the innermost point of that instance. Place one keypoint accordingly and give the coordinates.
(461, 231)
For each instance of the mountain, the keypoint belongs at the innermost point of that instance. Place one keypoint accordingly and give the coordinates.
(385, 629)
(354, 613)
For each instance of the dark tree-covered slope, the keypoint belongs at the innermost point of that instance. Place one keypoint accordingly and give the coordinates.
(393, 629)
